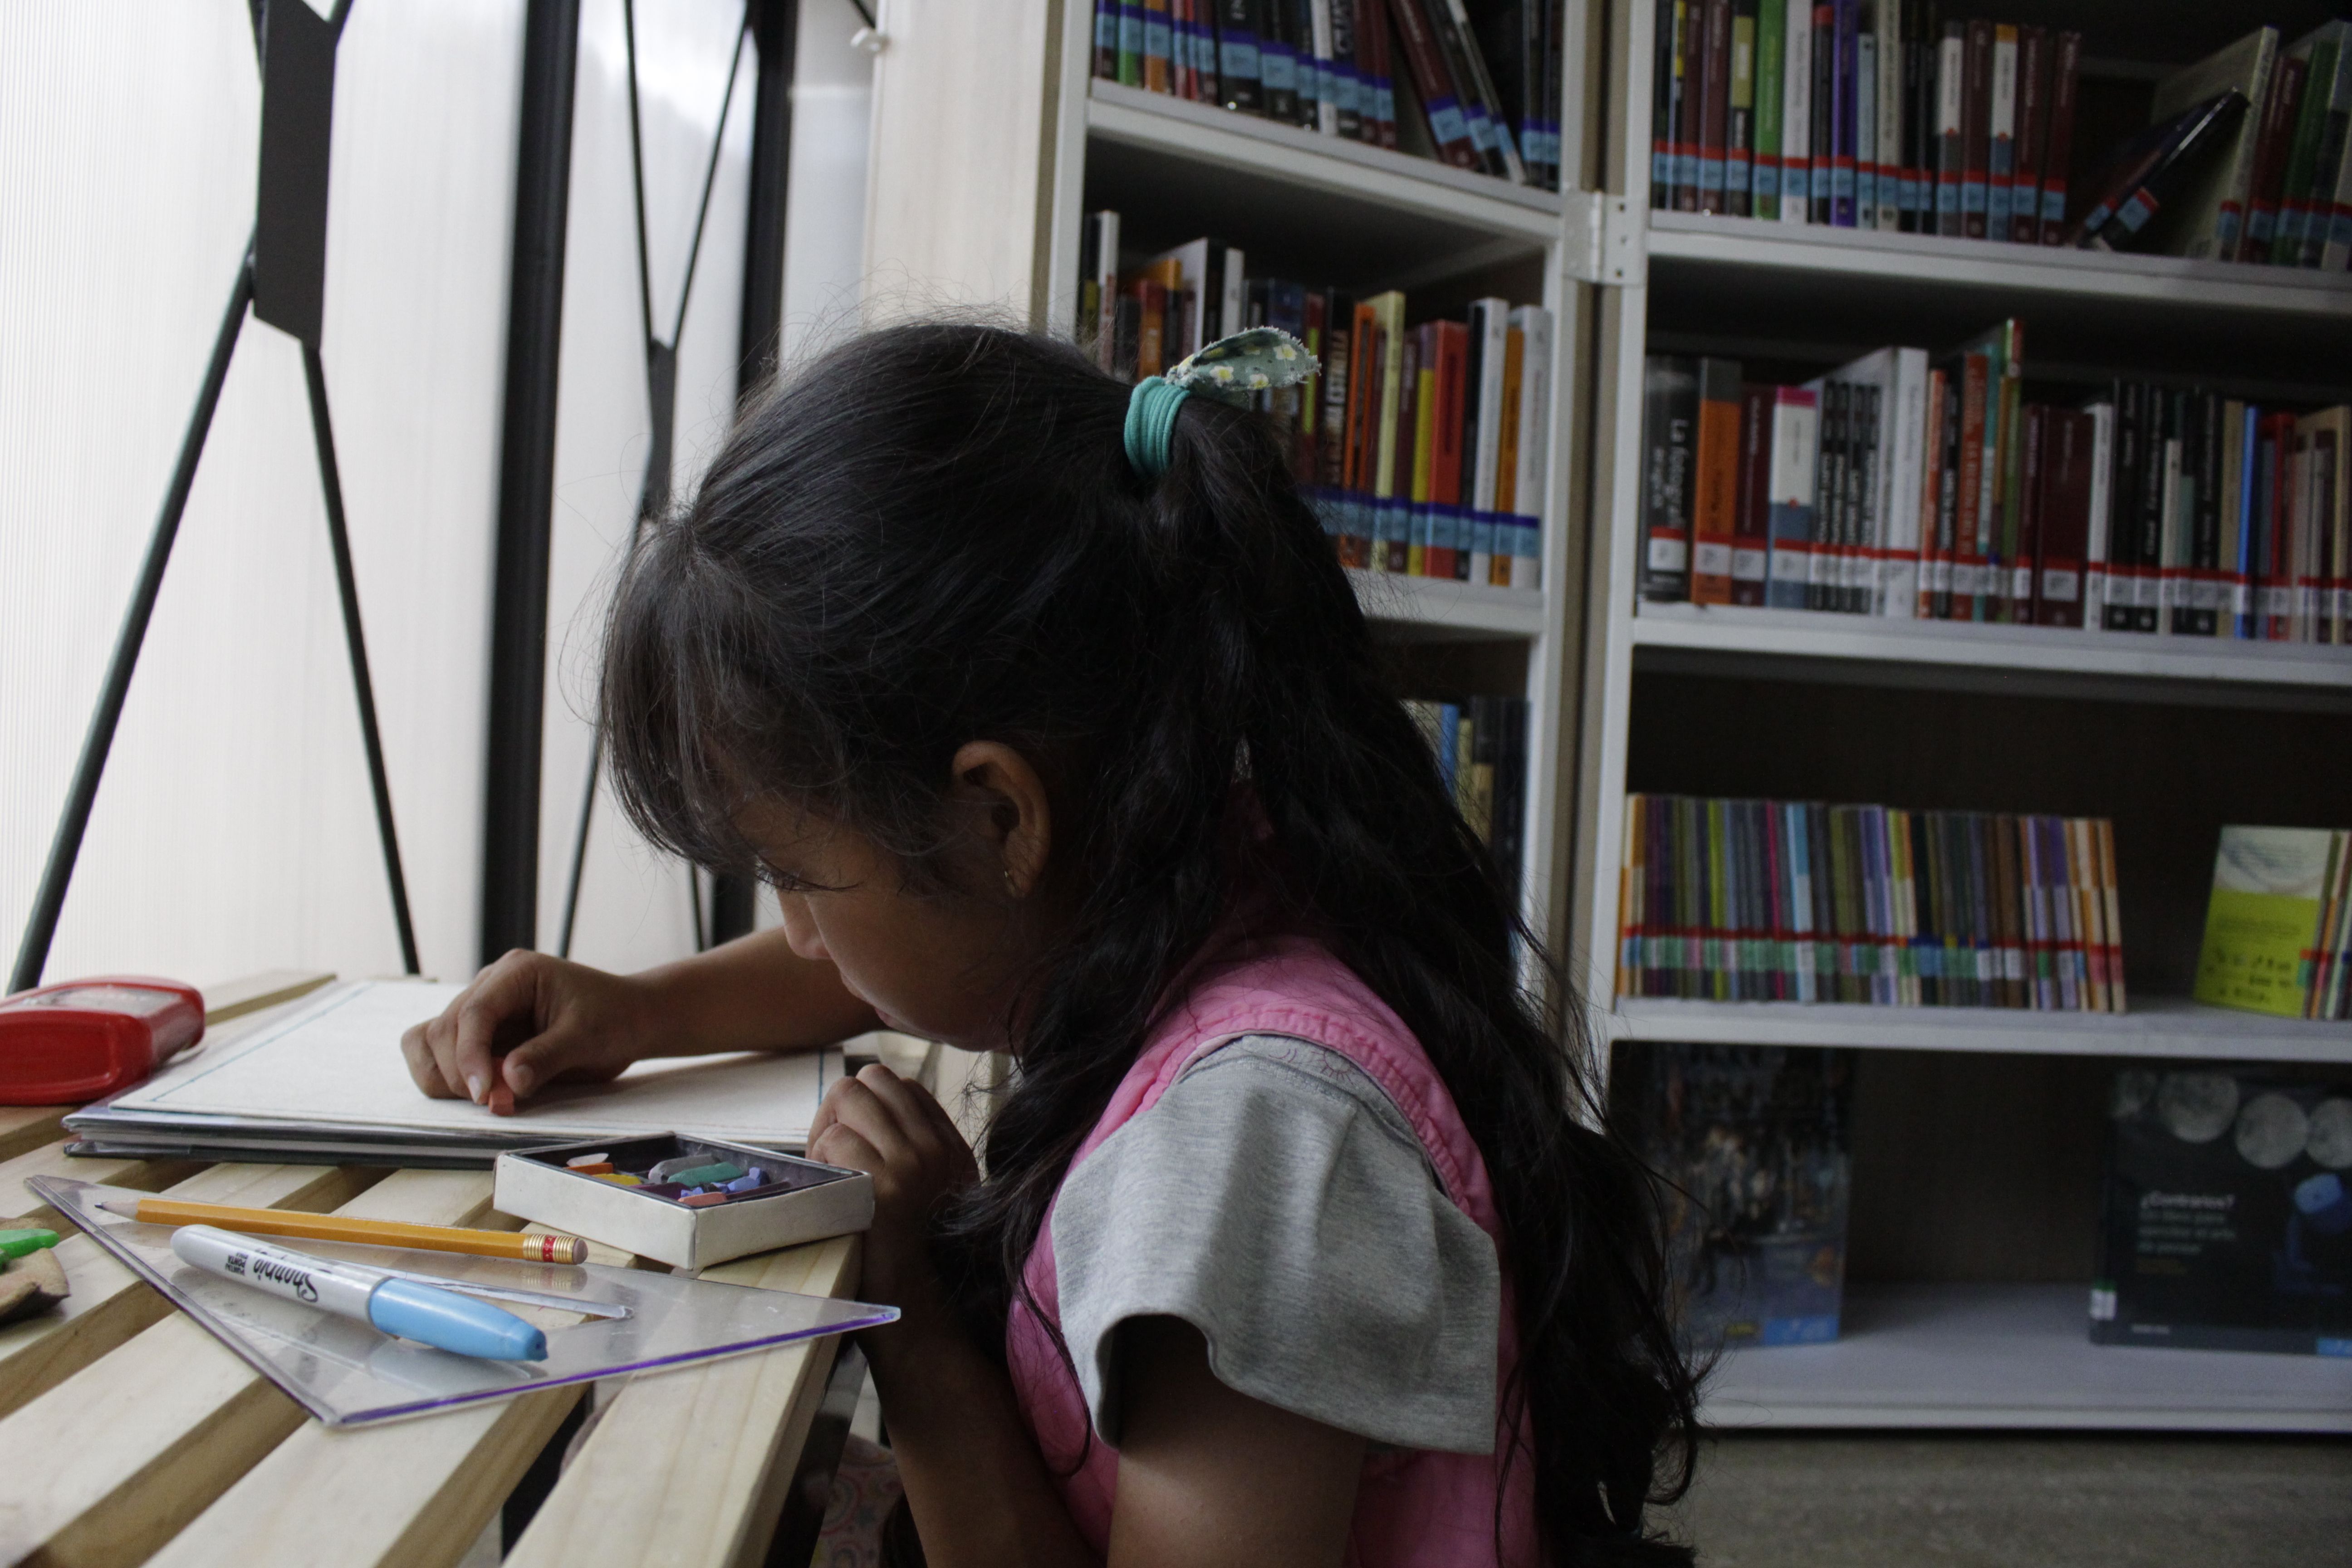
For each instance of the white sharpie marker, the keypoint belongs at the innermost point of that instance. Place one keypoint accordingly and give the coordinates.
(442, 1319)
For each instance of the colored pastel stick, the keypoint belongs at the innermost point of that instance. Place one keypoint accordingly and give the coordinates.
(702, 1175)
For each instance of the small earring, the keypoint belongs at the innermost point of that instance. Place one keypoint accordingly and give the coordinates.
(1011, 886)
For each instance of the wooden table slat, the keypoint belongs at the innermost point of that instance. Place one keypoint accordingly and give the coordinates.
(27, 1126)
(408, 1494)
(109, 1464)
(109, 1304)
(687, 1469)
(51, 1160)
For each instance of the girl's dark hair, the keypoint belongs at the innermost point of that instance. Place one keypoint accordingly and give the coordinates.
(932, 535)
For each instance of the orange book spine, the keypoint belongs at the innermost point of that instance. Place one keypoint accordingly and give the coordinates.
(1714, 517)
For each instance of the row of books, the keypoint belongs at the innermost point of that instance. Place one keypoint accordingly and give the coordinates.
(1761, 900)
(2225, 1221)
(1423, 448)
(1862, 115)
(2278, 931)
(1480, 746)
(1894, 487)
(1480, 80)
(1881, 114)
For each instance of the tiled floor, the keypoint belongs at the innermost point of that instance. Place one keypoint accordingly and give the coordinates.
(1901, 1502)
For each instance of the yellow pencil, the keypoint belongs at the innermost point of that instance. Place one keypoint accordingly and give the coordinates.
(342, 1228)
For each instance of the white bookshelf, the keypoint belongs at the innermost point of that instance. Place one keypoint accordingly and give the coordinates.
(2015, 1357)
(2155, 1027)
(1923, 1356)
(1697, 241)
(1391, 183)
(1324, 210)
(1874, 649)
(1430, 608)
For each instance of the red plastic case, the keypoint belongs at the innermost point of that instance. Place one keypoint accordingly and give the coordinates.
(85, 1039)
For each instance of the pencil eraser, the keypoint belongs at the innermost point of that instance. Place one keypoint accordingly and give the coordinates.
(501, 1101)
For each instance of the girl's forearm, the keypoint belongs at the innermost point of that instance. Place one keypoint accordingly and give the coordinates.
(981, 1494)
(754, 993)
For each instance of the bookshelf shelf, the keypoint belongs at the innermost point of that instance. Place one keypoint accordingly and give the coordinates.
(1433, 608)
(1324, 165)
(2015, 1356)
(1914, 261)
(1866, 650)
(2156, 1027)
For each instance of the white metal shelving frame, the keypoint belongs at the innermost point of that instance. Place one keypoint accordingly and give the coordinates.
(2021, 269)
(1915, 1356)
(1487, 221)
(2015, 1357)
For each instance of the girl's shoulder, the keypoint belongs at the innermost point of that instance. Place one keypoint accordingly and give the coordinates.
(1276, 1199)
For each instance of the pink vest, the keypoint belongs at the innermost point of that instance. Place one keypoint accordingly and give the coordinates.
(1415, 1508)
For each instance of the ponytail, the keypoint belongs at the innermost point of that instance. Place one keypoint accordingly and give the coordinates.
(933, 535)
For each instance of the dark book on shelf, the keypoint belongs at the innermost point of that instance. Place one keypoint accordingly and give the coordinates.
(2152, 169)
(1665, 102)
(1669, 474)
(1752, 1149)
(2058, 151)
(2226, 1222)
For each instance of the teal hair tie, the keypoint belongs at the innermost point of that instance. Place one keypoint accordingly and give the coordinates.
(1230, 370)
(1151, 419)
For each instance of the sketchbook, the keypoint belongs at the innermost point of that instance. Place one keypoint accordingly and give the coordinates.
(327, 1084)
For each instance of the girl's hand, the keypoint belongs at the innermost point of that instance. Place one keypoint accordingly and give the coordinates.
(892, 1129)
(527, 1021)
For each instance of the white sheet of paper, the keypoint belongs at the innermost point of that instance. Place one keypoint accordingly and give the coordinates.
(338, 1060)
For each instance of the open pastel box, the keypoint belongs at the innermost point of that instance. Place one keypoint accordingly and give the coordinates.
(799, 1201)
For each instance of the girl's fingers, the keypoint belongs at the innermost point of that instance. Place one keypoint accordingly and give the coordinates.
(840, 1144)
(857, 1108)
(422, 1067)
(508, 989)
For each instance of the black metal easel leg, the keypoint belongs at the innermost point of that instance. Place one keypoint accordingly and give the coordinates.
(41, 926)
(331, 482)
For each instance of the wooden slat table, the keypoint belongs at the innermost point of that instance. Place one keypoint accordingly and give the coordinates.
(127, 1434)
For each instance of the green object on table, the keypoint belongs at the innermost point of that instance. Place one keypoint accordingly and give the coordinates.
(721, 1172)
(19, 1243)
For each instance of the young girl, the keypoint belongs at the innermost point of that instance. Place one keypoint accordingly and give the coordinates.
(1048, 711)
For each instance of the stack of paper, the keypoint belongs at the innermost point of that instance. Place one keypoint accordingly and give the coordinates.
(327, 1084)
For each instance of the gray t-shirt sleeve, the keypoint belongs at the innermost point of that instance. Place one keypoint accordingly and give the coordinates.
(1276, 1200)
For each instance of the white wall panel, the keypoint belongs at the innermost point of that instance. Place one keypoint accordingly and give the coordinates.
(825, 229)
(634, 902)
(234, 831)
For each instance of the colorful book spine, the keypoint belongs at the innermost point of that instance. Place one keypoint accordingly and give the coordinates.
(1715, 510)
(1951, 130)
(1771, 104)
(1796, 111)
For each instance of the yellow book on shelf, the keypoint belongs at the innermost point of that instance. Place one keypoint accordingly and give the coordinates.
(2262, 927)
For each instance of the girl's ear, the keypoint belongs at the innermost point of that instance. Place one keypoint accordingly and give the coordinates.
(1006, 804)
